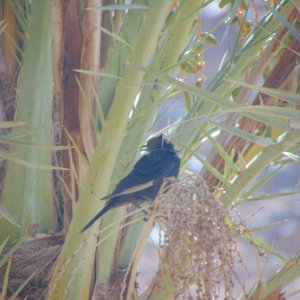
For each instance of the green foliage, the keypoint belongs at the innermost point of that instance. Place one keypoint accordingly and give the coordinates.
(27, 191)
(246, 114)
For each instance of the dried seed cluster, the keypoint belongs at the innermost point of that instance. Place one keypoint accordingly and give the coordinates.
(197, 249)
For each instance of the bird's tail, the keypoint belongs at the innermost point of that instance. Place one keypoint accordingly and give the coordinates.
(98, 216)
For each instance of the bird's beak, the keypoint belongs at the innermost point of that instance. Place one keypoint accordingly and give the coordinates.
(144, 147)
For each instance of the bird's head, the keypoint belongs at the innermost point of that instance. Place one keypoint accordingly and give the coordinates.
(158, 143)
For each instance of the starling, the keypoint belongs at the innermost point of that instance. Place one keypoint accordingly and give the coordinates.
(145, 180)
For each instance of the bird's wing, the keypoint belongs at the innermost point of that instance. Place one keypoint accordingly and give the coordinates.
(161, 164)
(153, 166)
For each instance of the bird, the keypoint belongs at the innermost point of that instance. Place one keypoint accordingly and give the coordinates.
(146, 178)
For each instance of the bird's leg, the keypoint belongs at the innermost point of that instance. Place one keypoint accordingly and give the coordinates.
(137, 205)
(150, 208)
(146, 212)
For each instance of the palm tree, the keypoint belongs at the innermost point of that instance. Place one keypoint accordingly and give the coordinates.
(90, 78)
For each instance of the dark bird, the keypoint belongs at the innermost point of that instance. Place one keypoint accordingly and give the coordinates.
(144, 181)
